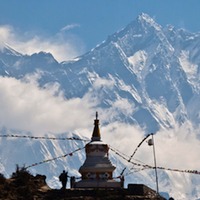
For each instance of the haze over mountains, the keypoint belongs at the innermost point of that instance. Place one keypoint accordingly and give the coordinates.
(142, 79)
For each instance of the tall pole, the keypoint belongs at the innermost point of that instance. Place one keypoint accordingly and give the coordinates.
(154, 153)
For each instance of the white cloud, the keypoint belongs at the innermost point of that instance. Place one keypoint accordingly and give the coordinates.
(61, 46)
(175, 149)
(124, 137)
(69, 27)
(24, 106)
(179, 148)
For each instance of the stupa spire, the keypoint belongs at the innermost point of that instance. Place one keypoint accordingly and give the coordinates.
(96, 136)
(97, 170)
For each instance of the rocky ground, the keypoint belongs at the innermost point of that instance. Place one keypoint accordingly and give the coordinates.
(24, 186)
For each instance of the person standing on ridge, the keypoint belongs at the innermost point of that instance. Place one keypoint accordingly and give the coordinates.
(63, 179)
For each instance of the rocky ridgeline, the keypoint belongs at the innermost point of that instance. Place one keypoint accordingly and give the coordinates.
(24, 186)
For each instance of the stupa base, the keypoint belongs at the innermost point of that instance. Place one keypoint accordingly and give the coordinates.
(98, 184)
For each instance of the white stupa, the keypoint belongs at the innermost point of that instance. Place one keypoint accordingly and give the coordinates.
(97, 170)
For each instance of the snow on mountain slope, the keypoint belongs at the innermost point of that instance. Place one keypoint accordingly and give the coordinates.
(27, 151)
(142, 77)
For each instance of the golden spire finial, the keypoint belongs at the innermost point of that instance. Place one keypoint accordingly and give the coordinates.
(96, 136)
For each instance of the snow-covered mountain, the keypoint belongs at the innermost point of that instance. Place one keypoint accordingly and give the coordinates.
(144, 75)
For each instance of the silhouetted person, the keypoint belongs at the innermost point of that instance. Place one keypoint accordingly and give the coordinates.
(72, 181)
(63, 179)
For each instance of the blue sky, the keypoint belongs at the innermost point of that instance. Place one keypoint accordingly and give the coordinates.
(85, 23)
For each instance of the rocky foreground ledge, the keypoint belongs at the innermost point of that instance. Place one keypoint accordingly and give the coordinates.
(24, 186)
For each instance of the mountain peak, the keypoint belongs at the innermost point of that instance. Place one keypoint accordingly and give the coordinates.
(5, 48)
(144, 16)
(147, 20)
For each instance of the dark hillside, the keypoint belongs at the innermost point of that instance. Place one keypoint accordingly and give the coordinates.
(24, 186)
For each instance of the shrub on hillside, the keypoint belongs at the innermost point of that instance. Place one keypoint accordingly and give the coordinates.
(21, 175)
(2, 179)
